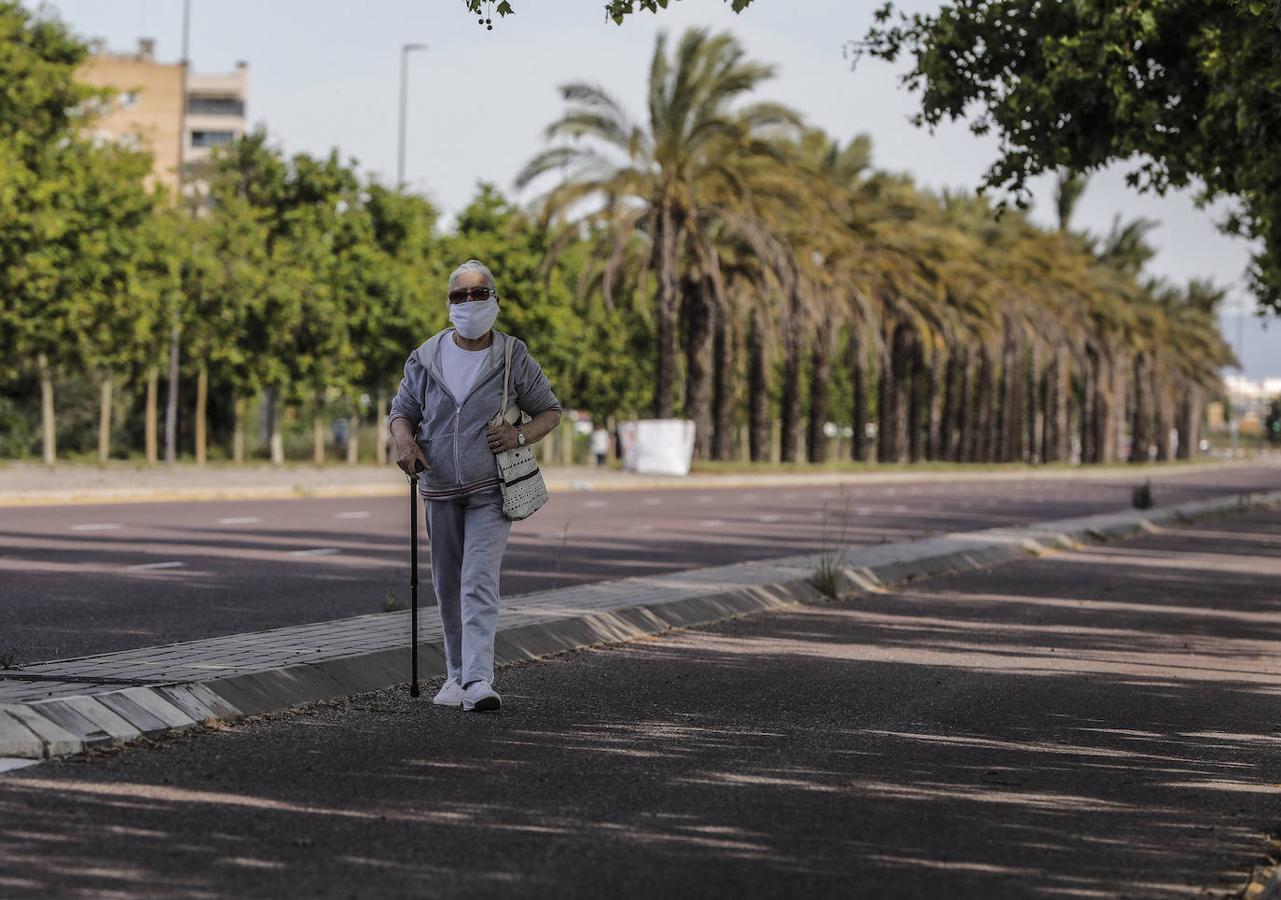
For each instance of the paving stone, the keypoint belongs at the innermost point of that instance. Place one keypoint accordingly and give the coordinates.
(90, 733)
(18, 740)
(153, 702)
(133, 712)
(58, 741)
(184, 699)
(103, 717)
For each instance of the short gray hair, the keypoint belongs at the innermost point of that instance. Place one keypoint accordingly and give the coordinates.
(473, 265)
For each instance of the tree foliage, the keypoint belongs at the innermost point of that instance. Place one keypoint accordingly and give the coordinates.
(1182, 90)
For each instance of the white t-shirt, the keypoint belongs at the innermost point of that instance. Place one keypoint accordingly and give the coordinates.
(460, 367)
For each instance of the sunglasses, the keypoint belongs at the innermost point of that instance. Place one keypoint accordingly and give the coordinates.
(462, 295)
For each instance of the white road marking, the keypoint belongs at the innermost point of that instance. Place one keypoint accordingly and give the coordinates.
(768, 518)
(318, 551)
(595, 504)
(352, 515)
(159, 565)
(97, 526)
(710, 523)
(239, 520)
(653, 501)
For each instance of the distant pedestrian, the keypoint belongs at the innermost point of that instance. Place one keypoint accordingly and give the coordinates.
(439, 423)
(600, 445)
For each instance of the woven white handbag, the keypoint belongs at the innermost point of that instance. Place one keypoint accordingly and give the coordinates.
(524, 491)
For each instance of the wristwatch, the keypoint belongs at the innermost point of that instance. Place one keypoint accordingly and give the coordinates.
(520, 438)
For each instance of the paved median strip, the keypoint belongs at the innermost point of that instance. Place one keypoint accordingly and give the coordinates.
(63, 707)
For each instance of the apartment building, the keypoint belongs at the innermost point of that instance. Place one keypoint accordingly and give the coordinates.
(150, 111)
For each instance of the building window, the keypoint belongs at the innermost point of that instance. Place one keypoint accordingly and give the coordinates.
(215, 106)
(212, 138)
(128, 99)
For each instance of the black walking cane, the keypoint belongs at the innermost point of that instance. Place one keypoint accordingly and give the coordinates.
(413, 579)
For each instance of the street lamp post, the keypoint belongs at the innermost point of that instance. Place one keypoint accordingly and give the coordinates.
(405, 50)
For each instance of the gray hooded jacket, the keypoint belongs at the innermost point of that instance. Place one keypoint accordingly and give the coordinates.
(451, 430)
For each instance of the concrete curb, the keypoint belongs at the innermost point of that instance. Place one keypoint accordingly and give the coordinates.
(641, 607)
(393, 485)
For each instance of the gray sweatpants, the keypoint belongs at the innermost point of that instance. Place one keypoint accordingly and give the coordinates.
(468, 538)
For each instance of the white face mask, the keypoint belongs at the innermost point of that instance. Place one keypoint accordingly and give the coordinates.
(474, 318)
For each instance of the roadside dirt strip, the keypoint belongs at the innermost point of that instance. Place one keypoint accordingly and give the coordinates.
(65, 706)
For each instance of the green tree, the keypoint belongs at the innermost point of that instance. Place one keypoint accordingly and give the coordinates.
(618, 10)
(1187, 87)
(70, 213)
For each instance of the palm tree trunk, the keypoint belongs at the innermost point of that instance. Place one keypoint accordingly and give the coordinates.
(1105, 403)
(791, 399)
(48, 432)
(171, 404)
(897, 396)
(202, 414)
(149, 426)
(1013, 429)
(353, 439)
(104, 419)
(1141, 420)
(949, 408)
(1115, 423)
(918, 402)
(939, 370)
(1089, 406)
(1164, 412)
(1057, 394)
(1034, 411)
(820, 395)
(1190, 413)
(723, 394)
(985, 418)
(665, 319)
(859, 447)
(699, 363)
(758, 393)
(960, 437)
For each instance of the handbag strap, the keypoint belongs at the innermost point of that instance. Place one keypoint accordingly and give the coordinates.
(507, 371)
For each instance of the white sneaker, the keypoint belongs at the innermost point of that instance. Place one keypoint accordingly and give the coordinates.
(481, 697)
(450, 694)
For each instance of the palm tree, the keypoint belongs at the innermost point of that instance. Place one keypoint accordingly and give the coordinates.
(665, 178)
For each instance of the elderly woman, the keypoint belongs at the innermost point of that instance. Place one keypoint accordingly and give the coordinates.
(439, 422)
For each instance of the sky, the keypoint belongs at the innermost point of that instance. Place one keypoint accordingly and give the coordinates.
(324, 74)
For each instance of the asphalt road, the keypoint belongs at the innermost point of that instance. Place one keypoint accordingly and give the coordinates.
(77, 580)
(1096, 723)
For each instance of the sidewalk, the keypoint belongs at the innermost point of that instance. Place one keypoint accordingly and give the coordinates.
(63, 706)
(1097, 722)
(31, 484)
